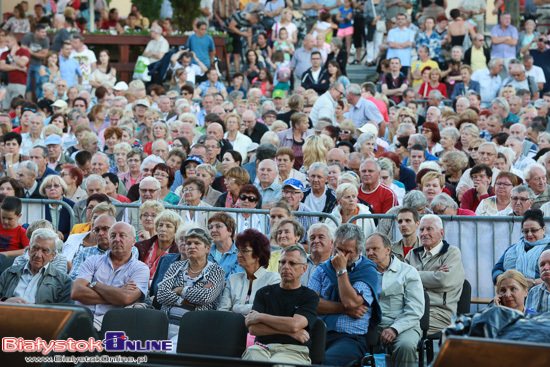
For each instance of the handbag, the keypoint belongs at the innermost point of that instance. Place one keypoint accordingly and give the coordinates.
(141, 71)
(467, 43)
(380, 24)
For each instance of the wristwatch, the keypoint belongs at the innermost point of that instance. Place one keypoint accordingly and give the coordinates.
(342, 272)
(92, 285)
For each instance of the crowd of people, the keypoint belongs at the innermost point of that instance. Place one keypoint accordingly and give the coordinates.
(452, 124)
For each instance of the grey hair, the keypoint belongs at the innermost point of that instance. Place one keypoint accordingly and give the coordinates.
(272, 161)
(354, 89)
(44, 234)
(101, 154)
(150, 179)
(300, 249)
(514, 138)
(527, 170)
(343, 188)
(436, 94)
(364, 138)
(419, 139)
(518, 66)
(48, 86)
(150, 159)
(445, 200)
(211, 170)
(508, 153)
(378, 168)
(491, 144)
(520, 189)
(321, 225)
(39, 115)
(93, 177)
(337, 42)
(438, 111)
(385, 240)
(433, 165)
(415, 199)
(157, 142)
(464, 99)
(387, 165)
(350, 176)
(458, 47)
(438, 222)
(491, 64)
(318, 166)
(502, 102)
(30, 166)
(405, 127)
(350, 231)
(452, 132)
(521, 126)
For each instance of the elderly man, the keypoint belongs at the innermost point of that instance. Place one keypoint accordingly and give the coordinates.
(57, 157)
(378, 195)
(324, 106)
(529, 148)
(337, 155)
(293, 193)
(253, 129)
(443, 204)
(521, 161)
(37, 281)
(363, 110)
(490, 81)
(283, 314)
(166, 108)
(348, 289)
(301, 60)
(26, 176)
(39, 155)
(487, 153)
(321, 244)
(522, 198)
(432, 114)
(478, 55)
(207, 104)
(269, 188)
(401, 298)
(519, 80)
(538, 298)
(535, 176)
(215, 130)
(501, 107)
(112, 281)
(318, 196)
(95, 184)
(408, 221)
(440, 267)
(147, 171)
(149, 190)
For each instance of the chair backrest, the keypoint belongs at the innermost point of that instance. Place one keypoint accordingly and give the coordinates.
(215, 333)
(138, 323)
(465, 300)
(5, 262)
(425, 319)
(318, 336)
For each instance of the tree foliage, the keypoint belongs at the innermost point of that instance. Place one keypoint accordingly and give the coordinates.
(149, 8)
(185, 11)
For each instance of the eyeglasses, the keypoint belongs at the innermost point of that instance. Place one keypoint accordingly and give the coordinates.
(216, 226)
(160, 175)
(503, 184)
(188, 189)
(251, 199)
(517, 198)
(345, 132)
(291, 263)
(54, 186)
(531, 230)
(151, 191)
(134, 160)
(244, 252)
(147, 215)
(440, 211)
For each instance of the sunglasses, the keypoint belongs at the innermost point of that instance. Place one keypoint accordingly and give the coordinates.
(251, 199)
(345, 132)
(195, 231)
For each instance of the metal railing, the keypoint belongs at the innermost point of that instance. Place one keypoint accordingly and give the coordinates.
(30, 213)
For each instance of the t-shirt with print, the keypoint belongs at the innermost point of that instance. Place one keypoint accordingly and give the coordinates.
(85, 59)
(13, 239)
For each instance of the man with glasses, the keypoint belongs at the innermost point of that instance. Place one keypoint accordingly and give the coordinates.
(487, 153)
(283, 314)
(37, 281)
(522, 197)
(478, 55)
(538, 298)
(316, 77)
(519, 80)
(348, 289)
(269, 188)
(535, 176)
(293, 193)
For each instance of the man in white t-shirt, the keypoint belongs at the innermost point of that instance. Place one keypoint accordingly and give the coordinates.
(85, 57)
(535, 71)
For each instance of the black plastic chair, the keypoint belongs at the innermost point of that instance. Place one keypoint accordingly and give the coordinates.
(424, 326)
(138, 323)
(5, 262)
(318, 336)
(214, 333)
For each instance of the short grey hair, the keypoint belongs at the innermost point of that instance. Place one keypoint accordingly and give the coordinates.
(465, 99)
(419, 139)
(415, 199)
(354, 89)
(452, 132)
(436, 109)
(210, 169)
(318, 226)
(527, 170)
(494, 60)
(101, 154)
(445, 200)
(318, 166)
(491, 144)
(157, 142)
(150, 179)
(94, 177)
(438, 222)
(502, 102)
(521, 189)
(30, 166)
(404, 128)
(436, 94)
(385, 240)
(48, 86)
(364, 138)
(44, 234)
(350, 177)
(348, 231)
(292, 248)
(378, 168)
(343, 188)
(509, 154)
(150, 159)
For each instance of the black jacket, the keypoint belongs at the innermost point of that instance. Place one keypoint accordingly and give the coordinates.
(323, 82)
(468, 55)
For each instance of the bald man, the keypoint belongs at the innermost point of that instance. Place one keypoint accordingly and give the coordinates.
(253, 129)
(215, 130)
(337, 155)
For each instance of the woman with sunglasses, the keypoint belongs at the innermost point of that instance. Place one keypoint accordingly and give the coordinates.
(523, 256)
(53, 188)
(193, 284)
(193, 190)
(249, 198)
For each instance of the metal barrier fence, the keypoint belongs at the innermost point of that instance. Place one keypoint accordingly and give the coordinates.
(34, 209)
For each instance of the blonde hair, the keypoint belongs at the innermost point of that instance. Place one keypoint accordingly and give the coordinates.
(347, 124)
(230, 115)
(430, 176)
(277, 124)
(515, 275)
(155, 205)
(169, 216)
(345, 187)
(315, 150)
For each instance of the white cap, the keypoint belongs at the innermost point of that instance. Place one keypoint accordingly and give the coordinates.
(121, 86)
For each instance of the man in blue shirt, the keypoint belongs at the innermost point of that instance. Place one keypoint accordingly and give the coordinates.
(401, 41)
(201, 44)
(69, 66)
(504, 39)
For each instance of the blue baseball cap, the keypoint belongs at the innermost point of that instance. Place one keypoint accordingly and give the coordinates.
(53, 140)
(294, 183)
(194, 158)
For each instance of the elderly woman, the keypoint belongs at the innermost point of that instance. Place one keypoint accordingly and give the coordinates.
(454, 163)
(160, 131)
(235, 178)
(468, 132)
(505, 158)
(120, 153)
(432, 185)
(366, 145)
(165, 176)
(148, 212)
(335, 169)
(430, 130)
(523, 256)
(287, 232)
(54, 187)
(449, 138)
(222, 228)
(134, 176)
(443, 204)
(467, 84)
(194, 284)
(249, 198)
(193, 191)
(543, 140)
(163, 242)
(207, 173)
(512, 289)
(527, 38)
(238, 140)
(504, 183)
(347, 207)
(253, 252)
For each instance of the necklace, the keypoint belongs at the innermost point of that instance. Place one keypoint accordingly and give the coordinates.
(193, 272)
